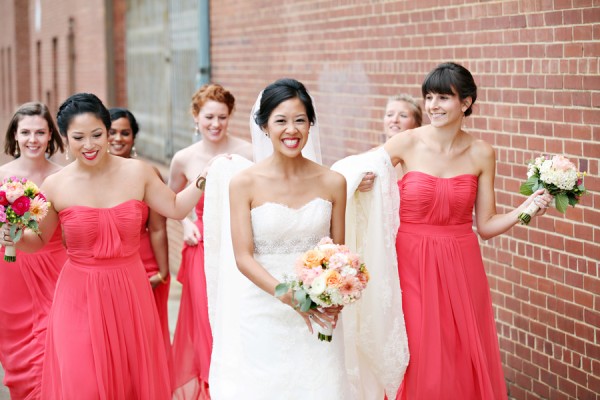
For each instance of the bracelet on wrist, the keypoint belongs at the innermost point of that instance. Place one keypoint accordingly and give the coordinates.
(200, 182)
(160, 276)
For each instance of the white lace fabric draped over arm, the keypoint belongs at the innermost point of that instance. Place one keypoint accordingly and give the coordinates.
(374, 329)
(223, 279)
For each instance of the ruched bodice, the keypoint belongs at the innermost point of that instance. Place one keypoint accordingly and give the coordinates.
(427, 199)
(102, 233)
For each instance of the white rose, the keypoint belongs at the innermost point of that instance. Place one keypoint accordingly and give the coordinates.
(348, 271)
(318, 286)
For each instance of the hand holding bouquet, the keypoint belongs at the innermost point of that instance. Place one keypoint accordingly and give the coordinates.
(327, 276)
(559, 177)
(22, 205)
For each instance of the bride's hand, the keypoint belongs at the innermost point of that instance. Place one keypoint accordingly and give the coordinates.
(321, 316)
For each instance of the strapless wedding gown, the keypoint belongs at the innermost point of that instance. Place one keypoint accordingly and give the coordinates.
(279, 357)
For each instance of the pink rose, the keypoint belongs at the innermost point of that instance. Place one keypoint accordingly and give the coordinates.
(13, 190)
(41, 196)
(325, 240)
(3, 199)
(562, 163)
(21, 205)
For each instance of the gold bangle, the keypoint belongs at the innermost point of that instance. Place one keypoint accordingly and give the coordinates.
(200, 182)
(163, 280)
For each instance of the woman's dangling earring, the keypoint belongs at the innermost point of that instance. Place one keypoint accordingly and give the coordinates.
(67, 158)
(133, 153)
(17, 152)
(196, 131)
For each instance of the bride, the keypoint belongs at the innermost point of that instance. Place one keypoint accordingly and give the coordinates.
(264, 347)
(281, 207)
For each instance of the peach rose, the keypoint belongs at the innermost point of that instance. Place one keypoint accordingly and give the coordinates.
(333, 279)
(313, 258)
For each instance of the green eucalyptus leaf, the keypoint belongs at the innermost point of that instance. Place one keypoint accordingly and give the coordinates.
(562, 201)
(305, 305)
(300, 296)
(18, 235)
(281, 289)
(13, 231)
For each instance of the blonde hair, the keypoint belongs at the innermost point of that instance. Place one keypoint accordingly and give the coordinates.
(413, 105)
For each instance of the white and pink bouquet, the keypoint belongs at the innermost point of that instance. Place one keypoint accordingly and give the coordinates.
(327, 275)
(22, 205)
(559, 177)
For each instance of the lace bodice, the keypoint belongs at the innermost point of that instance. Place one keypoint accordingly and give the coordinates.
(279, 229)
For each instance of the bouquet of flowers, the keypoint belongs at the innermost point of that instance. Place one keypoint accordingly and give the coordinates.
(559, 177)
(22, 205)
(328, 275)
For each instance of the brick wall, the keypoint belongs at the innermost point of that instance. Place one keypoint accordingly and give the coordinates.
(37, 32)
(536, 63)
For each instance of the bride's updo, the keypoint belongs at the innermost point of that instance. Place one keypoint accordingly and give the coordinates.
(278, 92)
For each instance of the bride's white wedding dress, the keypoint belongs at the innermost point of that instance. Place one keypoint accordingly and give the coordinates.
(262, 348)
(279, 357)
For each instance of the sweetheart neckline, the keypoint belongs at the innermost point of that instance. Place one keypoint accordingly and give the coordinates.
(439, 177)
(291, 208)
(101, 208)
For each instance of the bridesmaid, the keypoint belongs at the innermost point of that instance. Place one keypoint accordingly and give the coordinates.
(402, 113)
(153, 239)
(104, 339)
(27, 285)
(448, 174)
(212, 106)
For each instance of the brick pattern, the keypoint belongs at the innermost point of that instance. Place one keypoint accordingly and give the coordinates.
(24, 24)
(536, 63)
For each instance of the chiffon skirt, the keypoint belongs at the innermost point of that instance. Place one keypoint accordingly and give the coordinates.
(104, 337)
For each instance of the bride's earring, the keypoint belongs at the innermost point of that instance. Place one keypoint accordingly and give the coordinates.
(17, 152)
(133, 152)
(196, 130)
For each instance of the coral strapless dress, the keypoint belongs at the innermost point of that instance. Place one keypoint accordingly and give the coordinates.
(104, 338)
(192, 342)
(26, 293)
(445, 293)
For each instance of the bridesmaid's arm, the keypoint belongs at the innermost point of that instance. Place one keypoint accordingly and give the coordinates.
(177, 181)
(241, 235)
(489, 222)
(157, 230)
(163, 200)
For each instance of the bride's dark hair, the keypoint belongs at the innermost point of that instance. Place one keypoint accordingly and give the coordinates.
(81, 103)
(280, 91)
